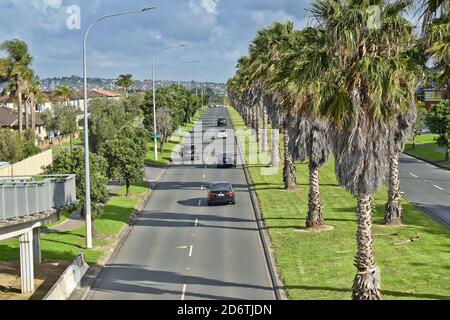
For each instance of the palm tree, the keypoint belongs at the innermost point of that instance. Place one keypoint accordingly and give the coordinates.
(16, 71)
(363, 97)
(436, 38)
(125, 82)
(64, 92)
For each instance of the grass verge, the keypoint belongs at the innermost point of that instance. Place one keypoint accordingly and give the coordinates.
(320, 265)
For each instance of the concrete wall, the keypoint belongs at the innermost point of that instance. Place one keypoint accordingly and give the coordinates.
(69, 280)
(31, 166)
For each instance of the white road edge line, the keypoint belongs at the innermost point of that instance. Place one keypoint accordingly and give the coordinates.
(438, 187)
(202, 187)
(200, 202)
(413, 175)
(190, 250)
(184, 290)
(196, 221)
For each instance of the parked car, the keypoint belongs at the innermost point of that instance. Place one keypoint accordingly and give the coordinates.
(222, 122)
(189, 151)
(221, 192)
(226, 159)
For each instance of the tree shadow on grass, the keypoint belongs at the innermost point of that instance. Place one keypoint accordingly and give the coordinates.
(117, 213)
(383, 292)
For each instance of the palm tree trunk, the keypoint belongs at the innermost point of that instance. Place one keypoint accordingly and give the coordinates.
(393, 210)
(257, 126)
(366, 286)
(19, 108)
(315, 216)
(288, 169)
(27, 119)
(275, 148)
(264, 137)
(33, 118)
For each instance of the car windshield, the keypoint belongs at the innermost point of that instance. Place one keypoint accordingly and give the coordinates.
(220, 186)
(222, 131)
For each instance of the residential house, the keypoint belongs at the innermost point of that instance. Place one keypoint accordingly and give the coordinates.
(433, 96)
(9, 119)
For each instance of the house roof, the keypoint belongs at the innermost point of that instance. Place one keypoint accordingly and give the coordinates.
(8, 118)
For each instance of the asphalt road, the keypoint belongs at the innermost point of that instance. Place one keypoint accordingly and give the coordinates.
(180, 248)
(427, 186)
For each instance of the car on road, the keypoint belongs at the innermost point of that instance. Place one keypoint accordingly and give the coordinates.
(221, 192)
(226, 159)
(189, 151)
(222, 134)
(221, 122)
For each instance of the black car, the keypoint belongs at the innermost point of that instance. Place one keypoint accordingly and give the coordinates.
(222, 122)
(227, 159)
(221, 192)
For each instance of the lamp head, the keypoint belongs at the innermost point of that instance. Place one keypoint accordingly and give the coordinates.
(146, 8)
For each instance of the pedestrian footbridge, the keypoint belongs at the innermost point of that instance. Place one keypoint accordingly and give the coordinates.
(26, 204)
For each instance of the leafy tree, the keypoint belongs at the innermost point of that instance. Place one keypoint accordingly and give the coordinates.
(107, 118)
(164, 126)
(15, 147)
(125, 153)
(62, 119)
(73, 163)
(419, 123)
(181, 104)
(438, 120)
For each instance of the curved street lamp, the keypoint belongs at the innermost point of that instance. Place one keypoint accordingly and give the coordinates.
(87, 201)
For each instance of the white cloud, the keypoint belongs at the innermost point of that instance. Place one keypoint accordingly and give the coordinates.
(201, 6)
(210, 6)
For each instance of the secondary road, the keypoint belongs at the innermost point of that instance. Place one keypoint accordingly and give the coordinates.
(427, 186)
(180, 248)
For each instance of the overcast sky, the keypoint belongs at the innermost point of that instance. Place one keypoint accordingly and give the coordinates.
(217, 32)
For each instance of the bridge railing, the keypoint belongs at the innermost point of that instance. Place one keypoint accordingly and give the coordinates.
(21, 196)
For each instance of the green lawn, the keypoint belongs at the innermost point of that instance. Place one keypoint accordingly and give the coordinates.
(320, 265)
(66, 246)
(174, 140)
(421, 150)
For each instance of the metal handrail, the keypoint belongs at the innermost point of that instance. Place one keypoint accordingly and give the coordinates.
(22, 196)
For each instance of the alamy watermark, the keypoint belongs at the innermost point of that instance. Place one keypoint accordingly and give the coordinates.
(73, 22)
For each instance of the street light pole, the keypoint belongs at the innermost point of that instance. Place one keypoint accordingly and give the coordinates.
(154, 97)
(178, 71)
(87, 200)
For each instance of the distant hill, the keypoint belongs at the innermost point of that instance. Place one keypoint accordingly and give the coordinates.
(76, 83)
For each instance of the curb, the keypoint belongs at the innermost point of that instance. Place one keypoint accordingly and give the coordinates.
(94, 272)
(280, 294)
(427, 161)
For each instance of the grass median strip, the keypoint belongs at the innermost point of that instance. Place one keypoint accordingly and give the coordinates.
(320, 265)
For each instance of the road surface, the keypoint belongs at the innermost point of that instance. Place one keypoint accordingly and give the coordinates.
(427, 186)
(180, 248)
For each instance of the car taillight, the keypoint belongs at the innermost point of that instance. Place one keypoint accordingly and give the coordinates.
(212, 195)
(230, 193)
